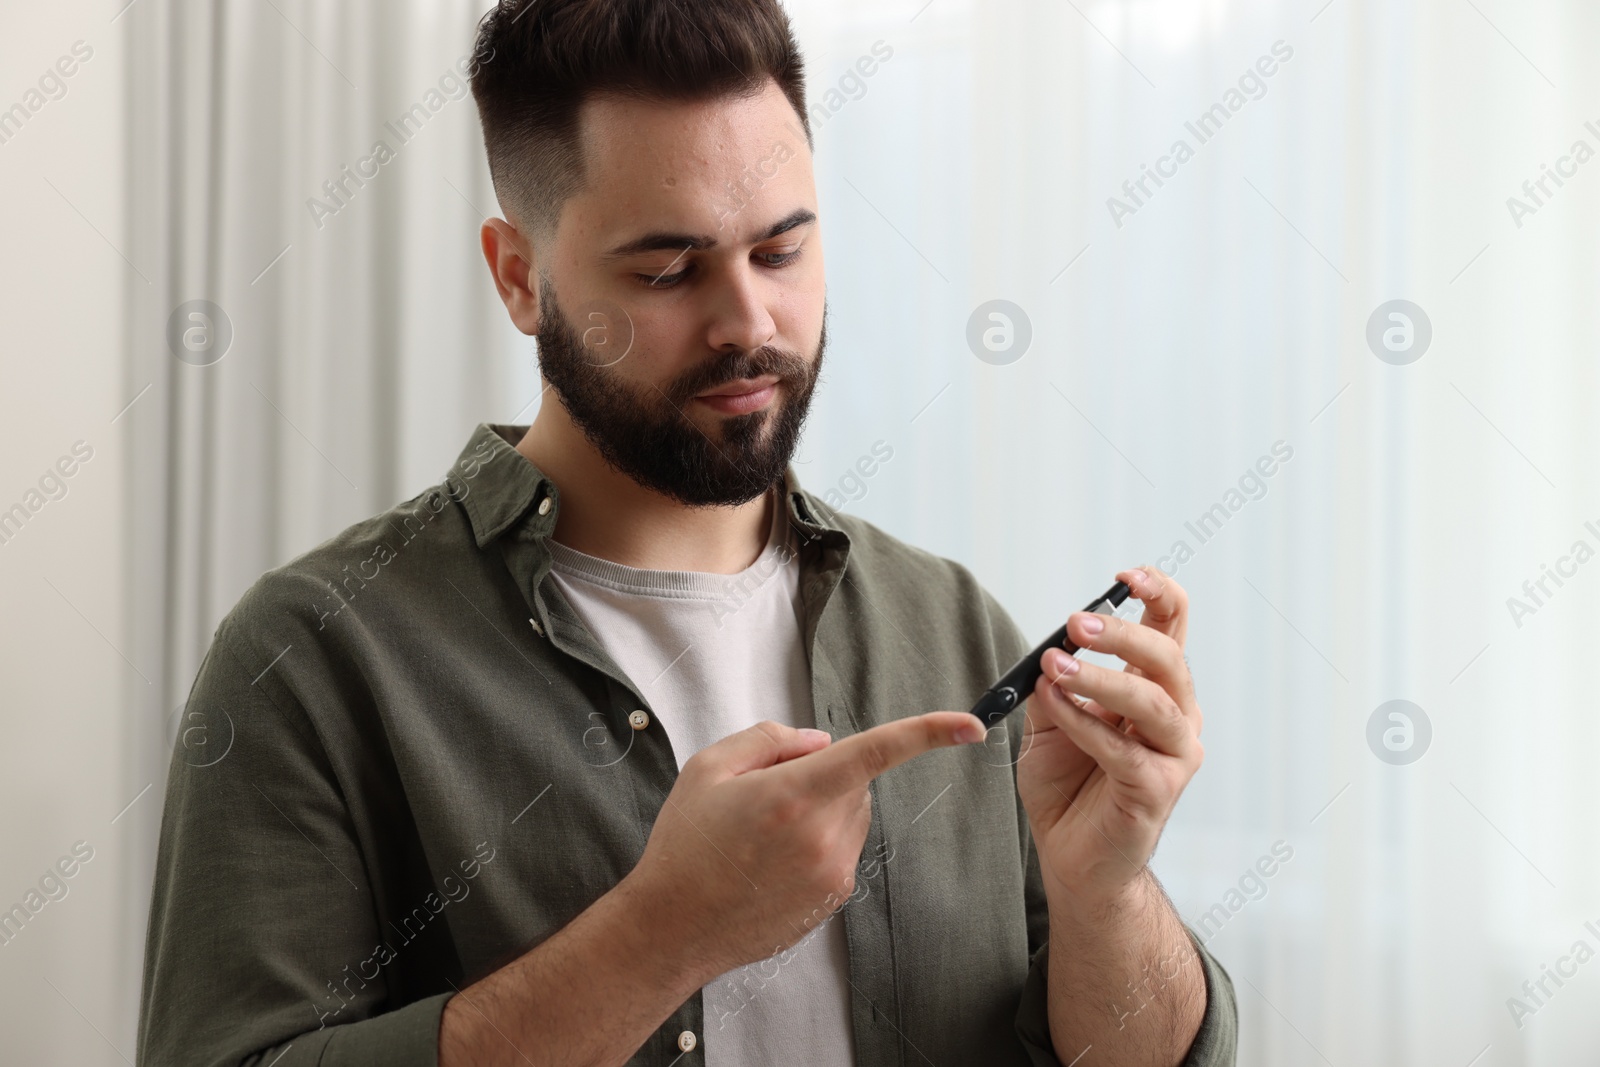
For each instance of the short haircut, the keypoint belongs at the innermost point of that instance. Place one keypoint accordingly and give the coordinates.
(537, 61)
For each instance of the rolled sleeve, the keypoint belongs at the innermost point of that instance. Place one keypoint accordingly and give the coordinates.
(1215, 1044)
(263, 927)
(1033, 1013)
(406, 1037)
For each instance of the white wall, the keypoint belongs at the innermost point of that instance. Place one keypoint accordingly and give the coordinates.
(64, 980)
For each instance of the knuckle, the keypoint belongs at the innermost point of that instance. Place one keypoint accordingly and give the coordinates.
(789, 809)
(874, 758)
(1144, 763)
(782, 811)
(1132, 755)
(1167, 708)
(773, 731)
(1156, 788)
(815, 852)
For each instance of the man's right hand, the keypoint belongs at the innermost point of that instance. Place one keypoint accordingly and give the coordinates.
(765, 827)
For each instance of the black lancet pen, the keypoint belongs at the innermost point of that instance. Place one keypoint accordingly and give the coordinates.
(1016, 685)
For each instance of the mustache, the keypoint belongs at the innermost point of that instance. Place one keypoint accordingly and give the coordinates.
(791, 367)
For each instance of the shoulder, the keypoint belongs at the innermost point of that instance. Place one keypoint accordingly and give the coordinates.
(380, 558)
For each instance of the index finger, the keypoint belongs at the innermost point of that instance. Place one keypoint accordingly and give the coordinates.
(852, 762)
(1166, 604)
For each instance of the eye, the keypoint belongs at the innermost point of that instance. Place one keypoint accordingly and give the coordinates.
(778, 259)
(663, 281)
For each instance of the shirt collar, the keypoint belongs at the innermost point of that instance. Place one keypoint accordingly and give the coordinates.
(499, 487)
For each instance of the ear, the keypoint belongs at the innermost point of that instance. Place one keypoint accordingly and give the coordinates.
(511, 264)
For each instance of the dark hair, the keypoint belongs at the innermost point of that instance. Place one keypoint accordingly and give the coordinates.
(541, 59)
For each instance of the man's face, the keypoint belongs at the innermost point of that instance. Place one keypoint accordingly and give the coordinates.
(688, 266)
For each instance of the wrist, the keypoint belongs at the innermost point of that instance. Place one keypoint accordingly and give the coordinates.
(1098, 903)
(655, 931)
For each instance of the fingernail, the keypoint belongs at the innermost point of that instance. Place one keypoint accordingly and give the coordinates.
(1057, 662)
(970, 732)
(815, 735)
(1093, 624)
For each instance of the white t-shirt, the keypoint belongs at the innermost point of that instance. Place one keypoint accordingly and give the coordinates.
(713, 654)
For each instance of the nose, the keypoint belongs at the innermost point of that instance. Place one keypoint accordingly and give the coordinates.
(739, 317)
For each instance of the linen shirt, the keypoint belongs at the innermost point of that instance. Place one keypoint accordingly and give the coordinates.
(406, 762)
(715, 654)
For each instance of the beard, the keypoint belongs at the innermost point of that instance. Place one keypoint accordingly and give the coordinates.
(646, 433)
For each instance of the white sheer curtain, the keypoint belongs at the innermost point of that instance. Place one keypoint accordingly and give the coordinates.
(1168, 356)
(366, 340)
(1228, 312)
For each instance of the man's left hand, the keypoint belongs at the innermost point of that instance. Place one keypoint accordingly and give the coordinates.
(1106, 753)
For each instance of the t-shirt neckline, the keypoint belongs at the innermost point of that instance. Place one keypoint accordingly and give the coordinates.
(697, 585)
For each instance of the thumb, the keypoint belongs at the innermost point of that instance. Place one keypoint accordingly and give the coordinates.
(763, 745)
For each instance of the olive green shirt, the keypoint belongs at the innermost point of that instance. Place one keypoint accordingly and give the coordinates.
(405, 762)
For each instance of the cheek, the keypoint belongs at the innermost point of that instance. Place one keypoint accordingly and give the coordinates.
(667, 342)
(814, 281)
(797, 303)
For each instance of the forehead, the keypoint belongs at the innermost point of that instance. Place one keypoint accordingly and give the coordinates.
(686, 164)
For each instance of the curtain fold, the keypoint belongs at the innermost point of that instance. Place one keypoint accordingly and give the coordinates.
(366, 338)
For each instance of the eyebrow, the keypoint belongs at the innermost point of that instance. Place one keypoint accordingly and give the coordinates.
(686, 242)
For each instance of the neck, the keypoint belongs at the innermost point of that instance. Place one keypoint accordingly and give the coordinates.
(605, 513)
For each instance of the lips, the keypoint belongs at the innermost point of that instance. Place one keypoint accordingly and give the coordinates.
(742, 387)
(741, 397)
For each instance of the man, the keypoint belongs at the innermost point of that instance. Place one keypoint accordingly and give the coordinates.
(617, 745)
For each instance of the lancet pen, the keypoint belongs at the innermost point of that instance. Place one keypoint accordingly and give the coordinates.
(1017, 684)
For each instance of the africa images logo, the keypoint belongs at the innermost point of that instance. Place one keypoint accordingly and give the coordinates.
(1251, 85)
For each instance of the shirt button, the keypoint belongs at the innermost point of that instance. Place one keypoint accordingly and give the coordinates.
(639, 719)
(544, 506)
(686, 1041)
